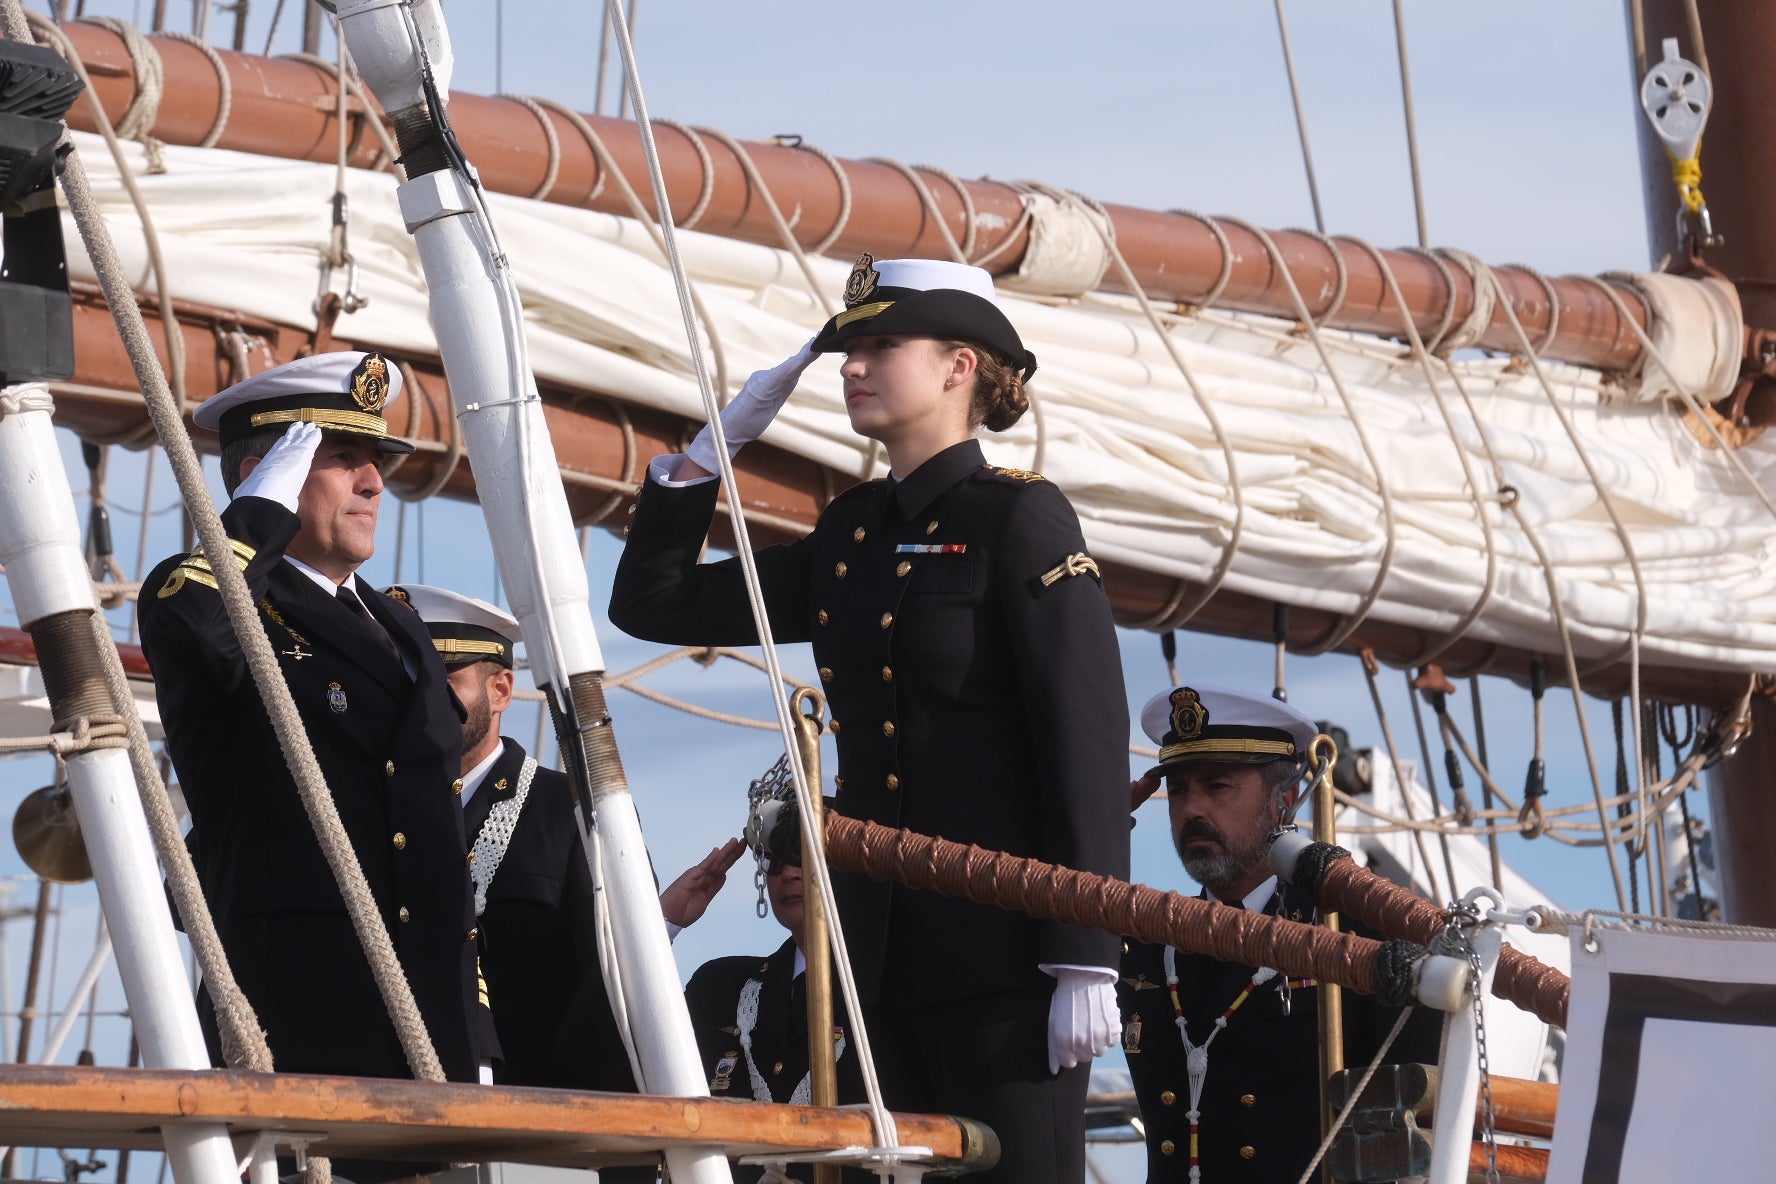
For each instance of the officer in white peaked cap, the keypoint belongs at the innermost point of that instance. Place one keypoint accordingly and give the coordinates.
(302, 449)
(1232, 762)
(535, 924)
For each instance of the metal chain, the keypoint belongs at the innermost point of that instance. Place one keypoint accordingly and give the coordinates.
(777, 783)
(1457, 939)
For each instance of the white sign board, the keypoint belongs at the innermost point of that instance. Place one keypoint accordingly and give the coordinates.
(1670, 1060)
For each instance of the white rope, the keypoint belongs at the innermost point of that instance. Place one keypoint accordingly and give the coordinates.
(1384, 566)
(1481, 506)
(1230, 550)
(1307, 161)
(887, 1134)
(1609, 504)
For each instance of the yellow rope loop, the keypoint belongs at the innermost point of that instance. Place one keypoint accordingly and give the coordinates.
(1687, 174)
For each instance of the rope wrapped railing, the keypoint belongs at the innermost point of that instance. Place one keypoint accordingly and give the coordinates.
(1380, 968)
(1334, 881)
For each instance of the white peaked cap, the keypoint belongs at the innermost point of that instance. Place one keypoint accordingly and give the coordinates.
(925, 275)
(317, 374)
(468, 625)
(1224, 724)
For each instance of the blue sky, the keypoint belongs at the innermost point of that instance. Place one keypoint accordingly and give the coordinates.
(1527, 126)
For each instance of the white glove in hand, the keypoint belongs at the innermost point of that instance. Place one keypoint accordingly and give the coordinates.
(750, 412)
(1082, 1017)
(280, 474)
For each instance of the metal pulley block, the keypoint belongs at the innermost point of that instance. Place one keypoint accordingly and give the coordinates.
(1676, 95)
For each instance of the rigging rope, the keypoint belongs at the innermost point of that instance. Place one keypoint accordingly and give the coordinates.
(1418, 204)
(57, 40)
(887, 1133)
(1307, 163)
(1177, 617)
(1384, 566)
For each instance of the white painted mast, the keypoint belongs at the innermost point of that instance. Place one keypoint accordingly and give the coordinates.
(402, 51)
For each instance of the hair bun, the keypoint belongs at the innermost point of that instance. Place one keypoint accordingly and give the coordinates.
(1006, 402)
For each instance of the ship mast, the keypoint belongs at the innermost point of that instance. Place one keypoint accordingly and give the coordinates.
(1730, 41)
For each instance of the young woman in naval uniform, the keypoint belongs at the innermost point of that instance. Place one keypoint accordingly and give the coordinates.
(966, 649)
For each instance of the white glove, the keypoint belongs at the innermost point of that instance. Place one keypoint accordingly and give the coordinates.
(283, 469)
(750, 412)
(1082, 1017)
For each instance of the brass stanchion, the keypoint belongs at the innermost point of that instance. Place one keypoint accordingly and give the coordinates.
(823, 1086)
(1324, 754)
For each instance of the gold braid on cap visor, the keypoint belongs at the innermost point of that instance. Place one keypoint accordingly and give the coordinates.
(860, 312)
(348, 421)
(451, 645)
(1215, 747)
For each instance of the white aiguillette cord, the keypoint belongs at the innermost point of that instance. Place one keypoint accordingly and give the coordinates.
(746, 1017)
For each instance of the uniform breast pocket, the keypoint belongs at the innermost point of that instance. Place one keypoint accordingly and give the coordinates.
(944, 575)
(512, 885)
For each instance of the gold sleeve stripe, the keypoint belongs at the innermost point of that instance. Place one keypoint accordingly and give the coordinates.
(186, 571)
(243, 555)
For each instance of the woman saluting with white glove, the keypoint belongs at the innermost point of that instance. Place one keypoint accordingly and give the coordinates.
(966, 650)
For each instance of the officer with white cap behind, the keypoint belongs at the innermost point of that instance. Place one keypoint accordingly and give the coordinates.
(533, 890)
(302, 446)
(1232, 763)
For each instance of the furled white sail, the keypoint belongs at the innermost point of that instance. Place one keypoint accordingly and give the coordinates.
(1116, 426)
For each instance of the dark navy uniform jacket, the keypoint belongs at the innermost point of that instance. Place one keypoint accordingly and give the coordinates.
(390, 748)
(974, 684)
(779, 1039)
(1261, 1101)
(539, 942)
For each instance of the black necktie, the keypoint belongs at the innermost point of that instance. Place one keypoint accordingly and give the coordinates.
(350, 600)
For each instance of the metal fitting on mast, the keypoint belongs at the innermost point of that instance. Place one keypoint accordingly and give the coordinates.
(1676, 96)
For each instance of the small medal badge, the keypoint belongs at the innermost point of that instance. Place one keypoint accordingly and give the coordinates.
(1131, 1035)
(500, 785)
(862, 283)
(370, 383)
(724, 1070)
(336, 698)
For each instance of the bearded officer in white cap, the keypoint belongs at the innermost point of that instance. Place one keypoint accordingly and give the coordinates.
(1232, 763)
(533, 890)
(302, 446)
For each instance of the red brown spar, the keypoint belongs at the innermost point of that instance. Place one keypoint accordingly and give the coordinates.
(282, 107)
(287, 108)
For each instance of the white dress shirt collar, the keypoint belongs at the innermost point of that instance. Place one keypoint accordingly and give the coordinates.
(474, 777)
(325, 583)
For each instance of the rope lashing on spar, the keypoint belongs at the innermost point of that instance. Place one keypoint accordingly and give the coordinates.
(1385, 969)
(1334, 882)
